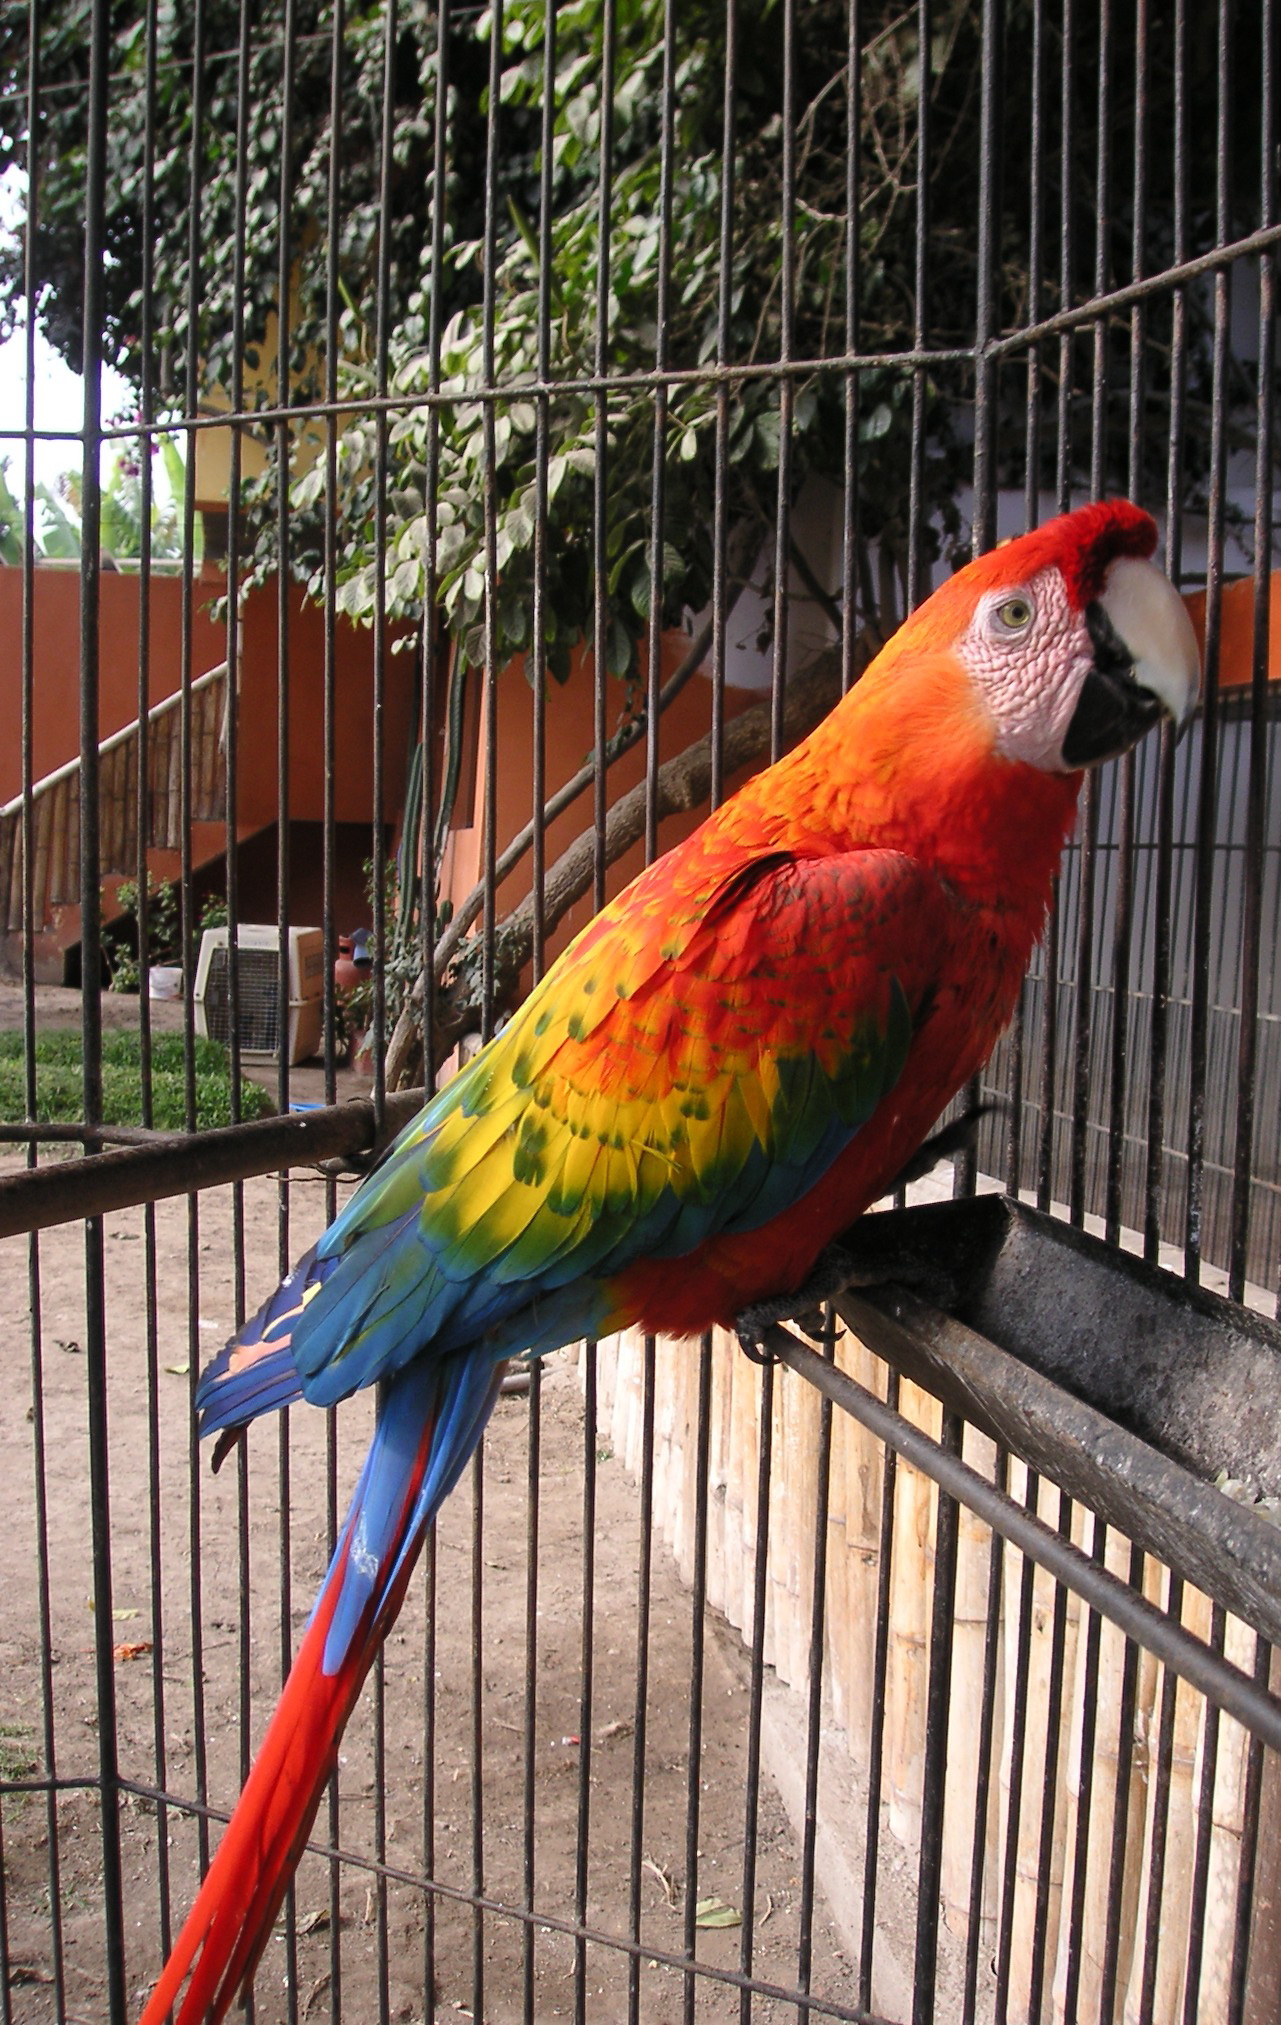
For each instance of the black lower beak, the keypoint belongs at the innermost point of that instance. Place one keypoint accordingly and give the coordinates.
(1112, 712)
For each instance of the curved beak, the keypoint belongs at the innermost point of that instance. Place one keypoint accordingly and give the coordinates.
(1146, 664)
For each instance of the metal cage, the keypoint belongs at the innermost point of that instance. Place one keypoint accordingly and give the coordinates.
(673, 354)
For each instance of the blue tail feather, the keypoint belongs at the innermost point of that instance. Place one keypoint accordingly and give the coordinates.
(430, 1420)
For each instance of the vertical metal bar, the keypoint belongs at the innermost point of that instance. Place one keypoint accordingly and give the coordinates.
(1125, 1756)
(600, 638)
(195, 184)
(1038, 149)
(431, 635)
(329, 747)
(986, 316)
(987, 1738)
(329, 673)
(1067, 191)
(244, 1652)
(1158, 1834)
(917, 586)
(876, 1727)
(786, 391)
(1203, 904)
(1017, 1725)
(477, 1685)
(1046, 1162)
(1251, 1801)
(1049, 1051)
(1257, 783)
(852, 261)
(600, 500)
(938, 1703)
(721, 588)
(1083, 1031)
(1123, 843)
(987, 303)
(587, 1678)
(91, 1009)
(284, 459)
(1154, 1162)
(1049, 1786)
(640, 1719)
(756, 1692)
(654, 671)
(6, 2009)
(1204, 1837)
(382, 339)
(814, 1689)
(429, 1773)
(537, 666)
(489, 709)
(636, 1854)
(698, 1603)
(48, 1725)
(1085, 1793)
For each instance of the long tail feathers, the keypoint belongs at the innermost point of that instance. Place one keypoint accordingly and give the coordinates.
(429, 1423)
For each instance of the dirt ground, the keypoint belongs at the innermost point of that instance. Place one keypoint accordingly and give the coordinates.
(181, 1702)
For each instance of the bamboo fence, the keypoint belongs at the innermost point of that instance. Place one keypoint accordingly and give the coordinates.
(55, 802)
(1076, 1889)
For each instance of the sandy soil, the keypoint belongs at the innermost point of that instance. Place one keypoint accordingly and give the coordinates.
(271, 1515)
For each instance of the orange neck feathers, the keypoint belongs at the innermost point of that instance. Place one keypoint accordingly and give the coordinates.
(907, 762)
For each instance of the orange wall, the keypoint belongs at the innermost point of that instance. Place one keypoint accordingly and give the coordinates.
(1236, 638)
(56, 685)
(353, 715)
(570, 738)
(56, 660)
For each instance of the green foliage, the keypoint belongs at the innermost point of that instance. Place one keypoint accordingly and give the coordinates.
(57, 518)
(60, 1084)
(617, 428)
(610, 437)
(11, 522)
(122, 939)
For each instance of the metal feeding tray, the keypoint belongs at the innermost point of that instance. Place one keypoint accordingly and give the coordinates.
(1134, 1390)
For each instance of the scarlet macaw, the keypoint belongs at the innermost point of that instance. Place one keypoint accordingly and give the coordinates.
(727, 1066)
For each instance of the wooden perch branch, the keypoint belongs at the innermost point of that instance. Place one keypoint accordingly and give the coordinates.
(683, 783)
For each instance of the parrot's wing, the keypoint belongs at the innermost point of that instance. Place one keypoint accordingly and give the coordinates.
(685, 1070)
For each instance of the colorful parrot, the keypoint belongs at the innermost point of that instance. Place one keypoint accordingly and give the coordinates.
(724, 1069)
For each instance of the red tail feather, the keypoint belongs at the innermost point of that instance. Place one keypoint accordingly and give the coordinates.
(235, 1909)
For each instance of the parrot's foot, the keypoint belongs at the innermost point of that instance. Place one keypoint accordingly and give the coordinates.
(958, 1137)
(832, 1273)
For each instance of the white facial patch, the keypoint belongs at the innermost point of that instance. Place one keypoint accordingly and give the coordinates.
(1028, 653)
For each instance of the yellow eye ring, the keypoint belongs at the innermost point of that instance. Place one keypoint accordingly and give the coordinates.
(1014, 615)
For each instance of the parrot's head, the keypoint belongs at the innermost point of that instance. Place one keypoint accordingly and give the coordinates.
(1074, 641)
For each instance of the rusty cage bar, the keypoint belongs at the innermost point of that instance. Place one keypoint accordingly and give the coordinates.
(528, 418)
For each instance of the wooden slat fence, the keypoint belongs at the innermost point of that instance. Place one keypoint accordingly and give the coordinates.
(55, 802)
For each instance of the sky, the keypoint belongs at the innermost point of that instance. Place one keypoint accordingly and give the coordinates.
(59, 391)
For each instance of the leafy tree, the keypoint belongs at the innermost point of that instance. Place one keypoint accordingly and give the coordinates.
(229, 170)
(236, 285)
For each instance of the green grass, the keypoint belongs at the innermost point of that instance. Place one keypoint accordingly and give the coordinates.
(60, 1087)
(19, 1758)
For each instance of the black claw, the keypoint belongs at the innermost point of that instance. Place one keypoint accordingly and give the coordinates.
(832, 1271)
(751, 1344)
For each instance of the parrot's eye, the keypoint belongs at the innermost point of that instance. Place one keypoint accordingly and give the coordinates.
(1014, 615)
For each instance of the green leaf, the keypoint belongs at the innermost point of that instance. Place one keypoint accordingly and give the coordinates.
(713, 1912)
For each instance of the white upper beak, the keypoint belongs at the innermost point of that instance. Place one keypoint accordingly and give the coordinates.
(1152, 620)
